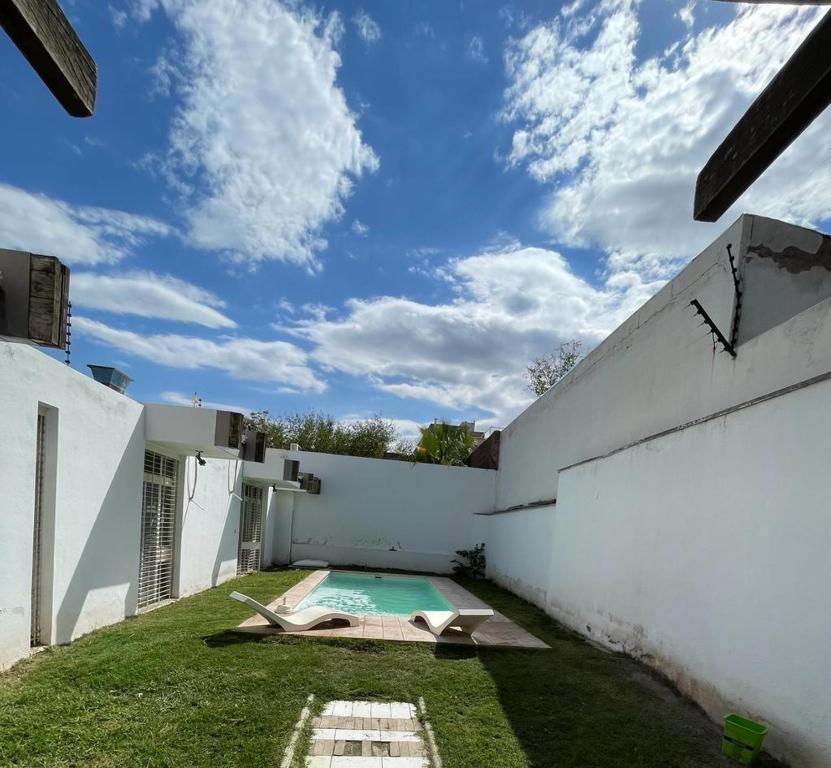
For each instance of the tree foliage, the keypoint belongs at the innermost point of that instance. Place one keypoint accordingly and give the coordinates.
(443, 443)
(322, 433)
(544, 372)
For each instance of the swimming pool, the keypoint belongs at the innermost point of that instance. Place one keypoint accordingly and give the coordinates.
(375, 594)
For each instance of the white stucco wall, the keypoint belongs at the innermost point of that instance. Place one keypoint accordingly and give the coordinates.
(95, 442)
(92, 541)
(658, 370)
(383, 514)
(719, 577)
(209, 523)
(703, 551)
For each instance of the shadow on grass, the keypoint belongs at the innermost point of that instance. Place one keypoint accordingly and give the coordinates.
(454, 652)
(575, 706)
(232, 637)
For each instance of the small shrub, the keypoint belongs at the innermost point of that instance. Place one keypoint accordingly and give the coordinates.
(474, 565)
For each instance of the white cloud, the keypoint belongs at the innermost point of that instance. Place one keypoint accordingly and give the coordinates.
(359, 228)
(687, 14)
(147, 294)
(241, 358)
(471, 352)
(119, 17)
(367, 27)
(263, 148)
(621, 141)
(476, 50)
(180, 398)
(75, 234)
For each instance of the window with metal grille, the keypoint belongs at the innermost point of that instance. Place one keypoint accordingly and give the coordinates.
(37, 539)
(250, 529)
(158, 528)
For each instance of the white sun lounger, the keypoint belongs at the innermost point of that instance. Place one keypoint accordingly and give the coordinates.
(466, 619)
(298, 621)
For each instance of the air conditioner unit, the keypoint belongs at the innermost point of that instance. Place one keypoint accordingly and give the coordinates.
(309, 483)
(228, 431)
(253, 446)
(291, 469)
(34, 297)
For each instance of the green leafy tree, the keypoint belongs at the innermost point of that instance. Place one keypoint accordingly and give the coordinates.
(443, 443)
(544, 372)
(322, 433)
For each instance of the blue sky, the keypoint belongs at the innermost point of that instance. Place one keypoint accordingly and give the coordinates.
(382, 207)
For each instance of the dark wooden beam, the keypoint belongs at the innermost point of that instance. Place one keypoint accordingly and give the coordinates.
(798, 93)
(46, 38)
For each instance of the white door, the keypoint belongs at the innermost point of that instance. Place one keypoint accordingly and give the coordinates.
(158, 528)
(250, 529)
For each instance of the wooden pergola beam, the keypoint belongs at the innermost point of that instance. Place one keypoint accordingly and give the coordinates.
(798, 93)
(46, 38)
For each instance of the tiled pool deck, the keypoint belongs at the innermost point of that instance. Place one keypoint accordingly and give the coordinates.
(499, 630)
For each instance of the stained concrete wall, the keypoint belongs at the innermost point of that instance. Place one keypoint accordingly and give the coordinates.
(715, 577)
(382, 514)
(95, 443)
(700, 548)
(658, 369)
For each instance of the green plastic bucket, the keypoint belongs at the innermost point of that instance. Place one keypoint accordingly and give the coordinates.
(742, 738)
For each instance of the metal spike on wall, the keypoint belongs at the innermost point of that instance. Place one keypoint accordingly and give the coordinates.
(68, 342)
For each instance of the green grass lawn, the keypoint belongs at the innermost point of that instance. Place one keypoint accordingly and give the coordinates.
(175, 687)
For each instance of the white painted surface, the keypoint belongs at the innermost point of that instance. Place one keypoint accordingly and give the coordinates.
(95, 444)
(383, 514)
(658, 370)
(97, 491)
(719, 579)
(705, 551)
(210, 518)
(181, 431)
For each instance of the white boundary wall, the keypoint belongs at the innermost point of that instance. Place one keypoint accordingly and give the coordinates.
(703, 551)
(382, 513)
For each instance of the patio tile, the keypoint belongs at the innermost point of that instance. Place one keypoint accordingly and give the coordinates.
(342, 709)
(361, 709)
(323, 733)
(356, 762)
(355, 735)
(326, 747)
(403, 762)
(380, 709)
(400, 709)
(399, 736)
(318, 761)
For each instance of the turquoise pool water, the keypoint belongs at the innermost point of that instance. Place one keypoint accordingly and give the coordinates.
(376, 594)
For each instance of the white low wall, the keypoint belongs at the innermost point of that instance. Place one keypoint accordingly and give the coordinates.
(382, 514)
(95, 448)
(720, 578)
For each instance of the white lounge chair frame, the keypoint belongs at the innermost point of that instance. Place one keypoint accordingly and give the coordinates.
(466, 619)
(297, 621)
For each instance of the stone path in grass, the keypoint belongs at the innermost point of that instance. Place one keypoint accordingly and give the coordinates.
(367, 734)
